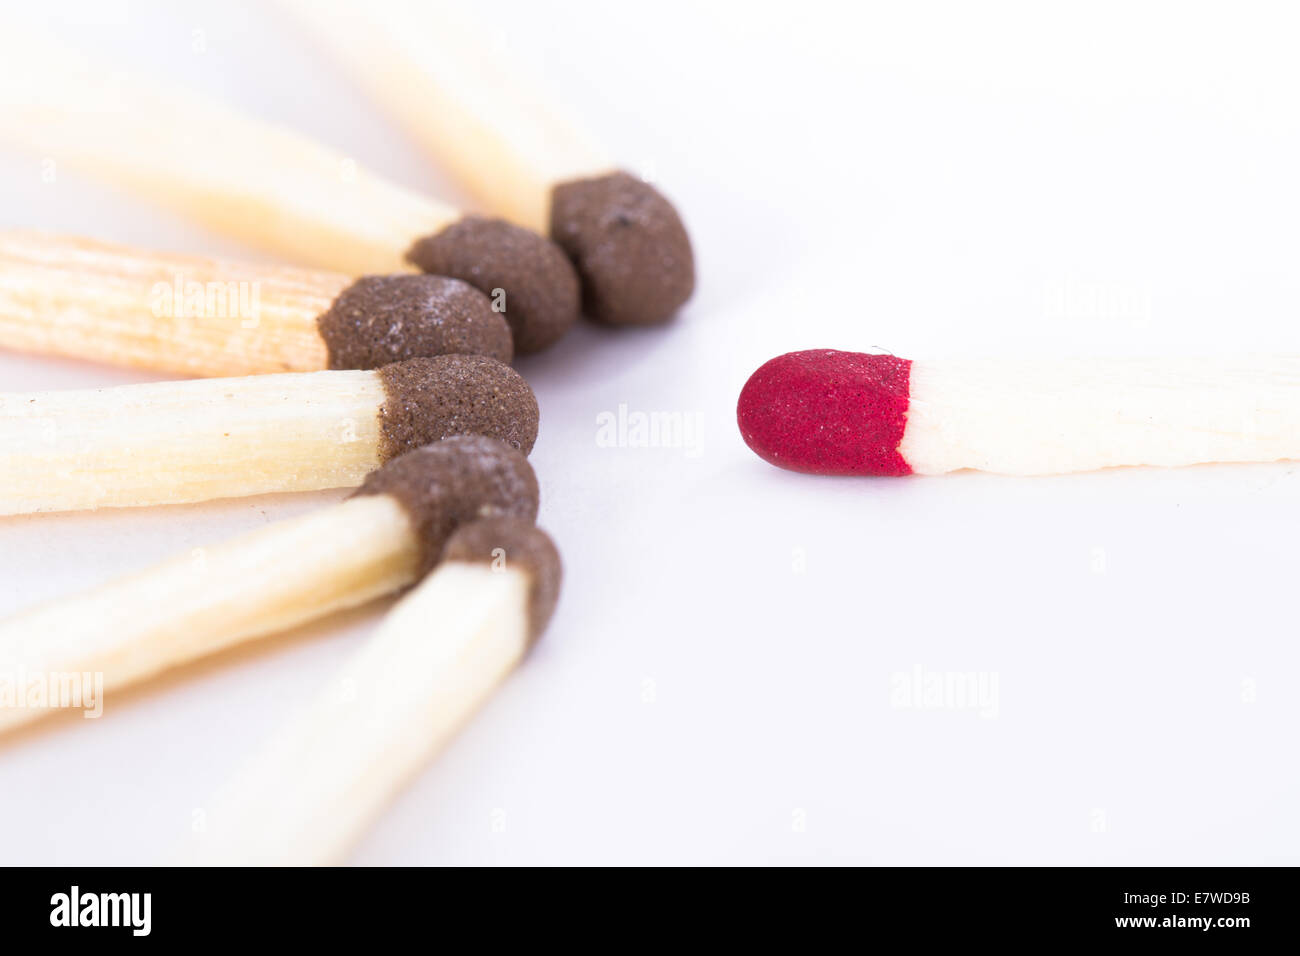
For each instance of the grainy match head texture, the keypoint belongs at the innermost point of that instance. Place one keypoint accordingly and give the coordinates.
(378, 320)
(631, 249)
(429, 399)
(524, 274)
(451, 482)
(515, 544)
(828, 412)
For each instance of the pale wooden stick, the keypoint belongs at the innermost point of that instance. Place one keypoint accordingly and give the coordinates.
(192, 315)
(80, 298)
(270, 580)
(313, 790)
(268, 186)
(443, 81)
(172, 442)
(306, 798)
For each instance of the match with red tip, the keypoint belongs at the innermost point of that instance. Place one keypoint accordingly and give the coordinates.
(849, 413)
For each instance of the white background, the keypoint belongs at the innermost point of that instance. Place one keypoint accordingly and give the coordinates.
(720, 682)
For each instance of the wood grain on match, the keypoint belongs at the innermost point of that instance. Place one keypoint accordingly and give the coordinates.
(82, 298)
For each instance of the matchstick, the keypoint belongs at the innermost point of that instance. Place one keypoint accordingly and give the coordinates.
(172, 442)
(314, 789)
(379, 541)
(849, 413)
(440, 78)
(80, 298)
(270, 187)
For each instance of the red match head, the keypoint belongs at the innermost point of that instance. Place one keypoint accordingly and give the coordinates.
(828, 412)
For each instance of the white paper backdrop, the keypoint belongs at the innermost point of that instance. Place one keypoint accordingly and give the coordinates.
(727, 677)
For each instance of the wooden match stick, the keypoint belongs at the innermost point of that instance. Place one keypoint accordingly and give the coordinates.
(381, 540)
(270, 187)
(79, 298)
(313, 790)
(171, 442)
(849, 413)
(440, 79)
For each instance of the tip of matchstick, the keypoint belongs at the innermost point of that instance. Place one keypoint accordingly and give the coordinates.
(429, 399)
(520, 545)
(827, 412)
(455, 481)
(527, 277)
(378, 320)
(630, 246)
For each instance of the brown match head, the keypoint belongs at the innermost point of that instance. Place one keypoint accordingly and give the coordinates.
(523, 273)
(429, 399)
(631, 249)
(378, 320)
(451, 482)
(513, 543)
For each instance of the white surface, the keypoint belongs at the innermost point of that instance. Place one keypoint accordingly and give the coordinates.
(719, 682)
